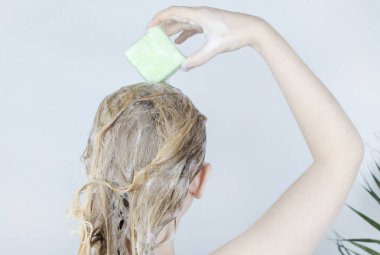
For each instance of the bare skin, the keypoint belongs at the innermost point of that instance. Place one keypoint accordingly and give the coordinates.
(298, 220)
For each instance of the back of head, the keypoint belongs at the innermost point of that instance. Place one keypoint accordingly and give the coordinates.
(146, 145)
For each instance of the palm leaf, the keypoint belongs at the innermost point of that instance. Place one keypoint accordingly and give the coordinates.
(371, 192)
(376, 180)
(366, 249)
(342, 248)
(366, 218)
(364, 240)
(378, 167)
(349, 251)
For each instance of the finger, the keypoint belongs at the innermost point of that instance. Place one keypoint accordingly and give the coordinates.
(178, 13)
(208, 51)
(173, 28)
(184, 35)
(165, 25)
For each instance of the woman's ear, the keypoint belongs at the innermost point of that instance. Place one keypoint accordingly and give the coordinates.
(197, 186)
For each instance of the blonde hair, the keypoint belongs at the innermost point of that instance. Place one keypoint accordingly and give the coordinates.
(146, 146)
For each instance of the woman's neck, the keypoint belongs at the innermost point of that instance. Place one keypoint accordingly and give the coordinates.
(167, 249)
(165, 239)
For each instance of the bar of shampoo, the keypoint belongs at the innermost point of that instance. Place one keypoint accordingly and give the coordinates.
(155, 56)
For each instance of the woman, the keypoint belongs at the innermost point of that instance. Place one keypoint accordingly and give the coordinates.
(145, 155)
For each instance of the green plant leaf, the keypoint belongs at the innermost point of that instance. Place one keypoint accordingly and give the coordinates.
(378, 167)
(349, 251)
(367, 219)
(365, 240)
(340, 249)
(365, 248)
(376, 180)
(372, 193)
(343, 250)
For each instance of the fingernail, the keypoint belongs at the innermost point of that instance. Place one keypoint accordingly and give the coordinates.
(149, 24)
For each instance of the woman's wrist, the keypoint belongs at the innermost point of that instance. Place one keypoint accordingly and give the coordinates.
(260, 31)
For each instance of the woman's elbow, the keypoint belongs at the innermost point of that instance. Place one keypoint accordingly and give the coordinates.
(354, 151)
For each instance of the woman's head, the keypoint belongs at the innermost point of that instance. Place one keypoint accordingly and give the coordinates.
(146, 146)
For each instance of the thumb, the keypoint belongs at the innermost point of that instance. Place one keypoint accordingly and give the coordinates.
(208, 51)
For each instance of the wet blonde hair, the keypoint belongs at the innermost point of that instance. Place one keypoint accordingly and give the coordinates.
(146, 146)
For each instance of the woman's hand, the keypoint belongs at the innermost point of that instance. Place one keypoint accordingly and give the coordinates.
(225, 30)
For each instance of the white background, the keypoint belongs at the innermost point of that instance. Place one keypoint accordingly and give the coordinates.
(60, 58)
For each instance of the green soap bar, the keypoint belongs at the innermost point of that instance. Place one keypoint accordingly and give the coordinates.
(155, 56)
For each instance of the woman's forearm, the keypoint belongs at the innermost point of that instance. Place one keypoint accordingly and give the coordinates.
(328, 131)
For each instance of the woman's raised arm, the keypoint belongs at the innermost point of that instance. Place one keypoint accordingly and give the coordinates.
(302, 215)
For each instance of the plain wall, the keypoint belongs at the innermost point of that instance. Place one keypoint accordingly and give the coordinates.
(59, 59)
